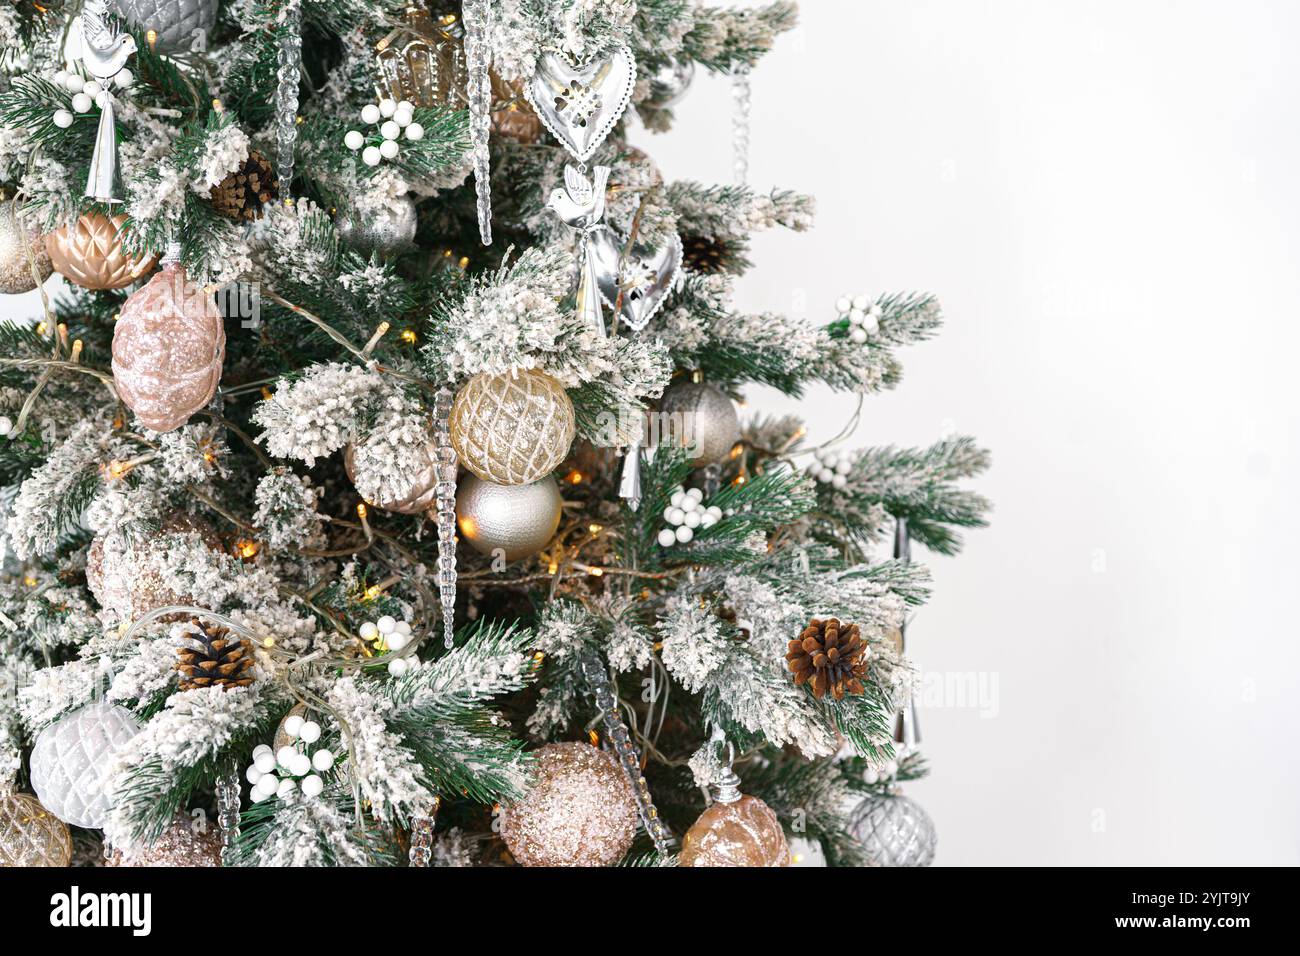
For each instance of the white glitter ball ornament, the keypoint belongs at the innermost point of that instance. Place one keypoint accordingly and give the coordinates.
(581, 810)
(73, 758)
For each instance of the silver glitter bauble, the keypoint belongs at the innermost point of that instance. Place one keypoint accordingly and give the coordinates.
(15, 268)
(700, 418)
(385, 231)
(580, 811)
(669, 83)
(72, 761)
(174, 21)
(894, 831)
(518, 520)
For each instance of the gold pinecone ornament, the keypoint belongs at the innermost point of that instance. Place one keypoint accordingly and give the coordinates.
(244, 194)
(212, 657)
(833, 656)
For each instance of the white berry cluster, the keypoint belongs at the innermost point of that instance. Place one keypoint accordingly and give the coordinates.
(830, 467)
(6, 427)
(886, 771)
(279, 773)
(863, 316)
(685, 513)
(393, 118)
(390, 634)
(85, 93)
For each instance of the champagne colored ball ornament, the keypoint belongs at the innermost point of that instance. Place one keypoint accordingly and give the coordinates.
(168, 346)
(30, 835)
(512, 429)
(386, 230)
(125, 574)
(737, 830)
(580, 811)
(894, 831)
(701, 419)
(419, 493)
(89, 253)
(15, 268)
(73, 759)
(518, 520)
(189, 841)
(173, 21)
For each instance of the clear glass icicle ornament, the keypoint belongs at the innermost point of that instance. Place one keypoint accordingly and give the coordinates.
(445, 502)
(287, 73)
(228, 813)
(740, 101)
(476, 15)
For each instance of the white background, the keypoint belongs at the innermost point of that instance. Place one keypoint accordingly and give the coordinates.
(1104, 197)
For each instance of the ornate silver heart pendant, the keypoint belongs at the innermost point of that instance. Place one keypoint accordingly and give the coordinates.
(581, 104)
(636, 284)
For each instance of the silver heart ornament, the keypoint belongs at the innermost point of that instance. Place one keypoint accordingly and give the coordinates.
(636, 284)
(581, 104)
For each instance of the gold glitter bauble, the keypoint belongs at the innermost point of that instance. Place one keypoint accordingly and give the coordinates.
(743, 833)
(512, 429)
(124, 574)
(168, 346)
(15, 269)
(30, 835)
(189, 841)
(581, 810)
(701, 419)
(89, 253)
(518, 520)
(419, 494)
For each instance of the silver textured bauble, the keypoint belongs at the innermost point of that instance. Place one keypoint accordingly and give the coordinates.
(702, 419)
(669, 83)
(894, 831)
(174, 21)
(386, 231)
(519, 520)
(73, 759)
(15, 268)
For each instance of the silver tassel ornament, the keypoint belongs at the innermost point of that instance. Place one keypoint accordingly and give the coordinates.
(907, 729)
(104, 51)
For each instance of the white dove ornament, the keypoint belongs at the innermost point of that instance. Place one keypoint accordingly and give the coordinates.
(580, 204)
(104, 51)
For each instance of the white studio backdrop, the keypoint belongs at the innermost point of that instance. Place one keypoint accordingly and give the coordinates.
(1103, 197)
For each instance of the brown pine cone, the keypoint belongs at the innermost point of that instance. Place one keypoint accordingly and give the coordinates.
(832, 655)
(242, 194)
(704, 254)
(214, 658)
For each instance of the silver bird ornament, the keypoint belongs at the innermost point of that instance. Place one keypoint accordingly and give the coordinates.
(580, 204)
(104, 51)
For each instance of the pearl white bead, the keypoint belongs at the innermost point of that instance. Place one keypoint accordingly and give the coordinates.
(872, 324)
(322, 760)
(388, 149)
(370, 113)
(675, 516)
(695, 494)
(843, 304)
(857, 317)
(371, 156)
(257, 796)
(293, 725)
(667, 538)
(62, 119)
(301, 765)
(261, 749)
(287, 786)
(353, 140)
(714, 511)
(265, 761)
(890, 768)
(684, 534)
(81, 102)
(310, 732)
(284, 756)
(73, 83)
(843, 466)
(857, 335)
(708, 521)
(876, 310)
(58, 78)
(414, 132)
(861, 302)
(825, 475)
(386, 624)
(390, 130)
(387, 107)
(124, 78)
(675, 499)
(91, 88)
(870, 776)
(369, 631)
(693, 519)
(839, 481)
(312, 786)
(252, 774)
(403, 117)
(405, 106)
(398, 667)
(267, 785)
(404, 627)
(396, 641)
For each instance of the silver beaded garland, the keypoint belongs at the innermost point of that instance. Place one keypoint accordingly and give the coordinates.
(445, 502)
(477, 18)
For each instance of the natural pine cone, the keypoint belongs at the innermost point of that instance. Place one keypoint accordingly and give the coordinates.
(832, 655)
(704, 254)
(214, 659)
(242, 194)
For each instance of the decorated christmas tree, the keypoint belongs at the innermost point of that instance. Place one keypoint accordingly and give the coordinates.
(375, 493)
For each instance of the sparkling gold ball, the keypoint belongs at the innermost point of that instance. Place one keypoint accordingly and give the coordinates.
(701, 419)
(15, 268)
(512, 429)
(189, 841)
(518, 520)
(580, 811)
(89, 253)
(743, 833)
(30, 835)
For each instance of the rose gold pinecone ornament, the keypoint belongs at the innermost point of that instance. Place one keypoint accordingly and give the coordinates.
(189, 841)
(89, 253)
(124, 574)
(168, 347)
(419, 496)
